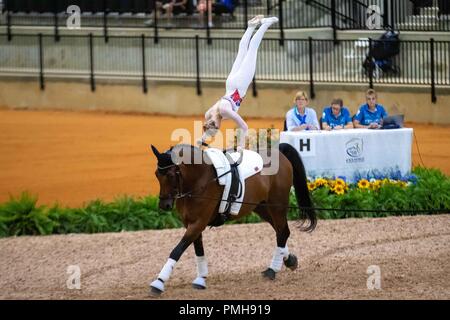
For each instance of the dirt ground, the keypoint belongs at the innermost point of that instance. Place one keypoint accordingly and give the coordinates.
(412, 253)
(74, 157)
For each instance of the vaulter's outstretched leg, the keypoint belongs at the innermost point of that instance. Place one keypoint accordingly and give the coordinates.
(243, 44)
(241, 78)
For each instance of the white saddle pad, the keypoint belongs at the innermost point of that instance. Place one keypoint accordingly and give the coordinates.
(251, 164)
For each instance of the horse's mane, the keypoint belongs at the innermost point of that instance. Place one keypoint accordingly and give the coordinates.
(185, 145)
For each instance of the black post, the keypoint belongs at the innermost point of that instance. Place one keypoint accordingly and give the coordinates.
(333, 20)
(91, 60)
(355, 16)
(197, 59)
(255, 91)
(433, 80)
(280, 8)
(41, 62)
(144, 76)
(385, 14)
(392, 14)
(105, 20)
(208, 29)
(55, 21)
(156, 38)
(269, 8)
(311, 70)
(245, 14)
(371, 64)
(8, 25)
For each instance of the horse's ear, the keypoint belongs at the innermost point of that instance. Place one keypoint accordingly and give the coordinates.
(156, 152)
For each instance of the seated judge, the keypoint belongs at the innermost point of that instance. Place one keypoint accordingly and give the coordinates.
(336, 116)
(301, 117)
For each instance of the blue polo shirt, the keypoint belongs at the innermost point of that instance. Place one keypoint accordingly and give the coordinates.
(366, 117)
(341, 120)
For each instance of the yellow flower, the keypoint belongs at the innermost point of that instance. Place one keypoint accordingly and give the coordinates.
(373, 187)
(331, 184)
(363, 184)
(338, 189)
(377, 183)
(311, 186)
(321, 182)
(340, 182)
(402, 184)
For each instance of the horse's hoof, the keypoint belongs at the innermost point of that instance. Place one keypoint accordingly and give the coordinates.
(156, 288)
(199, 283)
(269, 274)
(291, 262)
(155, 292)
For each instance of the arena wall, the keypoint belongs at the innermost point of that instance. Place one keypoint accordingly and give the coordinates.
(175, 98)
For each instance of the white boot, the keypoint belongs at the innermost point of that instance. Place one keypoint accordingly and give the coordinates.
(270, 20)
(255, 21)
(157, 286)
(202, 273)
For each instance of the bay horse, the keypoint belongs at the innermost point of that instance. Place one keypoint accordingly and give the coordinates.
(192, 186)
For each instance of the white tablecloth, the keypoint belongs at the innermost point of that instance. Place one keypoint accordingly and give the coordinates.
(354, 152)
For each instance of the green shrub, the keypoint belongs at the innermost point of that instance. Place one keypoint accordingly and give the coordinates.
(21, 216)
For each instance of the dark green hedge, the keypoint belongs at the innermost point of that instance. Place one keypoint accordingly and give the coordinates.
(22, 216)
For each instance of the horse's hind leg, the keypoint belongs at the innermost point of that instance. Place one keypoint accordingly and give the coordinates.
(278, 220)
(202, 265)
(289, 259)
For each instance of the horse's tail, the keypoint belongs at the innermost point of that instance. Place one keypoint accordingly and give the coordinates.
(301, 186)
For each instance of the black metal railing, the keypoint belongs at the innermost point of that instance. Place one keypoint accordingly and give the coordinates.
(307, 61)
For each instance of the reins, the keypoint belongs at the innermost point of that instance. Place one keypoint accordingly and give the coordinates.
(189, 194)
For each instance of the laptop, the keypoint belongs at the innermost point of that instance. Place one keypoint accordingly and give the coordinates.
(393, 122)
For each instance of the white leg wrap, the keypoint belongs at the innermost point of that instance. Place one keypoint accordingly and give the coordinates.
(278, 256)
(202, 266)
(166, 271)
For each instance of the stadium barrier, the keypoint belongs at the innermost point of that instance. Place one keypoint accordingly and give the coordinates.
(198, 59)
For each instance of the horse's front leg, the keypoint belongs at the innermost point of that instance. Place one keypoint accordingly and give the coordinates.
(193, 231)
(202, 265)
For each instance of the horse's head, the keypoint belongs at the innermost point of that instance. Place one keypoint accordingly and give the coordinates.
(167, 173)
(171, 164)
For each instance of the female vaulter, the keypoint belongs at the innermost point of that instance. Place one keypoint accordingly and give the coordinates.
(238, 81)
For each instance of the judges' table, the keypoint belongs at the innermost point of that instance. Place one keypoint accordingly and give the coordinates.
(354, 152)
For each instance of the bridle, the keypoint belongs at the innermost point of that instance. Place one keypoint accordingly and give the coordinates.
(178, 184)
